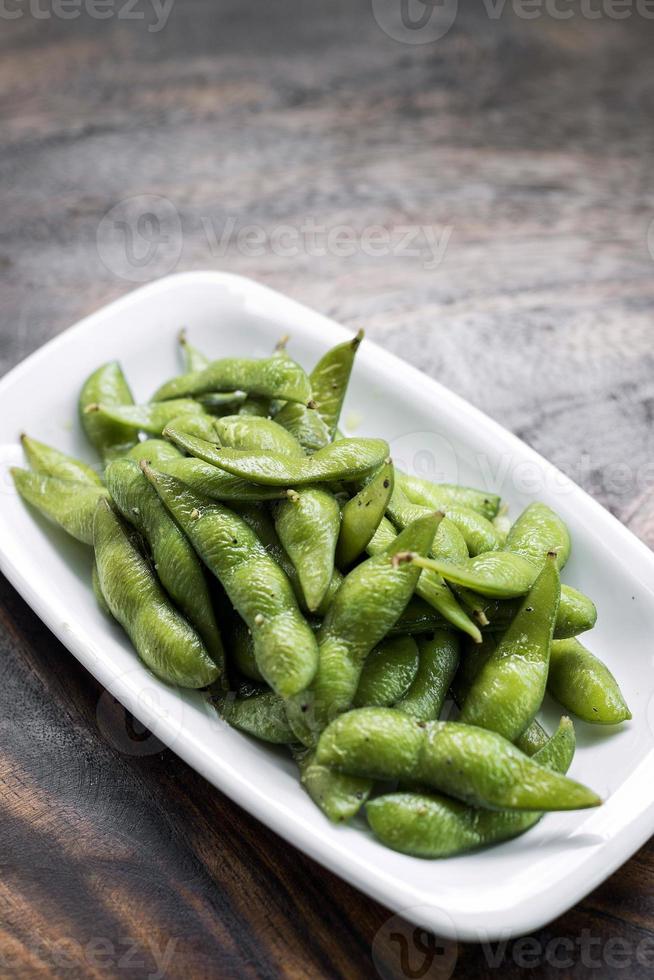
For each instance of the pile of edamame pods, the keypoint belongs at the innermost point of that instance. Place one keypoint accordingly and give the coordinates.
(331, 603)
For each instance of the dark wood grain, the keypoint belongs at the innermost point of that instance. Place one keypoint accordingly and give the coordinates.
(531, 141)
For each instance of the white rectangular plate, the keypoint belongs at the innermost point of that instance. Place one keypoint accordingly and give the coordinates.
(506, 890)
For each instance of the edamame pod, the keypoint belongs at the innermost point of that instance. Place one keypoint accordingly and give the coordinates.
(210, 481)
(284, 645)
(240, 648)
(97, 591)
(52, 462)
(370, 600)
(70, 505)
(431, 586)
(314, 429)
(146, 418)
(163, 639)
(362, 515)
(307, 523)
(499, 574)
(472, 764)
(509, 688)
(438, 659)
(584, 685)
(348, 459)
(261, 715)
(440, 495)
(432, 826)
(175, 560)
(272, 377)
(340, 797)
(478, 533)
(192, 358)
(155, 451)
(257, 433)
(387, 673)
(538, 531)
(107, 385)
(576, 613)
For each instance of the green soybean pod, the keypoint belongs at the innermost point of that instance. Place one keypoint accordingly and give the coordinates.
(433, 826)
(97, 591)
(192, 358)
(155, 451)
(509, 688)
(210, 481)
(478, 533)
(369, 601)
(69, 505)
(146, 418)
(584, 685)
(418, 618)
(176, 563)
(284, 645)
(387, 673)
(538, 531)
(264, 528)
(315, 427)
(107, 385)
(438, 659)
(307, 523)
(255, 432)
(240, 650)
(431, 586)
(272, 377)
(362, 515)
(261, 715)
(498, 574)
(471, 764)
(576, 613)
(340, 797)
(162, 637)
(52, 462)
(439, 496)
(348, 459)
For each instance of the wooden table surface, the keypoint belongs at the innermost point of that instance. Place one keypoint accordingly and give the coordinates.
(481, 204)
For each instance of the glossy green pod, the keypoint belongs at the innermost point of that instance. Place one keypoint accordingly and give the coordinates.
(348, 459)
(211, 481)
(439, 496)
(176, 563)
(576, 613)
(155, 451)
(284, 645)
(315, 428)
(498, 574)
(432, 826)
(107, 385)
(255, 432)
(438, 659)
(508, 690)
(362, 515)
(272, 377)
(370, 599)
(97, 591)
(538, 531)
(471, 764)
(387, 673)
(584, 685)
(52, 462)
(193, 359)
(307, 523)
(69, 505)
(431, 587)
(340, 797)
(478, 532)
(261, 715)
(161, 636)
(151, 418)
(240, 650)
